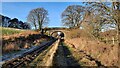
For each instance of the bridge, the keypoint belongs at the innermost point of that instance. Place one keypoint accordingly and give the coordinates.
(55, 31)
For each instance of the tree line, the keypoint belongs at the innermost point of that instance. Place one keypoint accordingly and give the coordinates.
(13, 23)
(92, 16)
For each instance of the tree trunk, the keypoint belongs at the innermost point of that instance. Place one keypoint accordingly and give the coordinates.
(35, 26)
(118, 33)
(39, 25)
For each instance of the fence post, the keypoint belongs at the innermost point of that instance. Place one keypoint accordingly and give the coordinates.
(106, 40)
(113, 40)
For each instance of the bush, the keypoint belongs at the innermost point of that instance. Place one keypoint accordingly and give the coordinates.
(77, 33)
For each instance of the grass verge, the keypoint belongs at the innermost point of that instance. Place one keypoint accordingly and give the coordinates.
(10, 31)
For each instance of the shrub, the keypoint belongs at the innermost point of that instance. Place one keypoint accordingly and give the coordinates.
(77, 33)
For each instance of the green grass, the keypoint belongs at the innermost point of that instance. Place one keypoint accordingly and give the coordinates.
(9, 31)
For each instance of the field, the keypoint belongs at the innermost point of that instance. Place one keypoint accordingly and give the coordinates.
(10, 31)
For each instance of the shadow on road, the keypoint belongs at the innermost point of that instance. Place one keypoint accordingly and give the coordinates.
(64, 59)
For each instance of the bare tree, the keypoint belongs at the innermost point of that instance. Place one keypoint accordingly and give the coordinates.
(100, 15)
(32, 20)
(38, 17)
(72, 16)
(116, 17)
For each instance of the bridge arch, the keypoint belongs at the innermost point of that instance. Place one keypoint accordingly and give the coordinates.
(56, 34)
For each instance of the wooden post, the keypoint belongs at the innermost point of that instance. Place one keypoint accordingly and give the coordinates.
(106, 40)
(113, 40)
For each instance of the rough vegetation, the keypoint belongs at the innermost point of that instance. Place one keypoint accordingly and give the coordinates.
(23, 39)
(89, 38)
(106, 53)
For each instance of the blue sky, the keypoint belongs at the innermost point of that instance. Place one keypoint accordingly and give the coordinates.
(20, 10)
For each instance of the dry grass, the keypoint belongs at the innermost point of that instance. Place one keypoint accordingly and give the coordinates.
(107, 54)
(80, 57)
(109, 34)
(18, 44)
(104, 52)
(21, 40)
(10, 47)
(76, 33)
(25, 34)
(10, 31)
